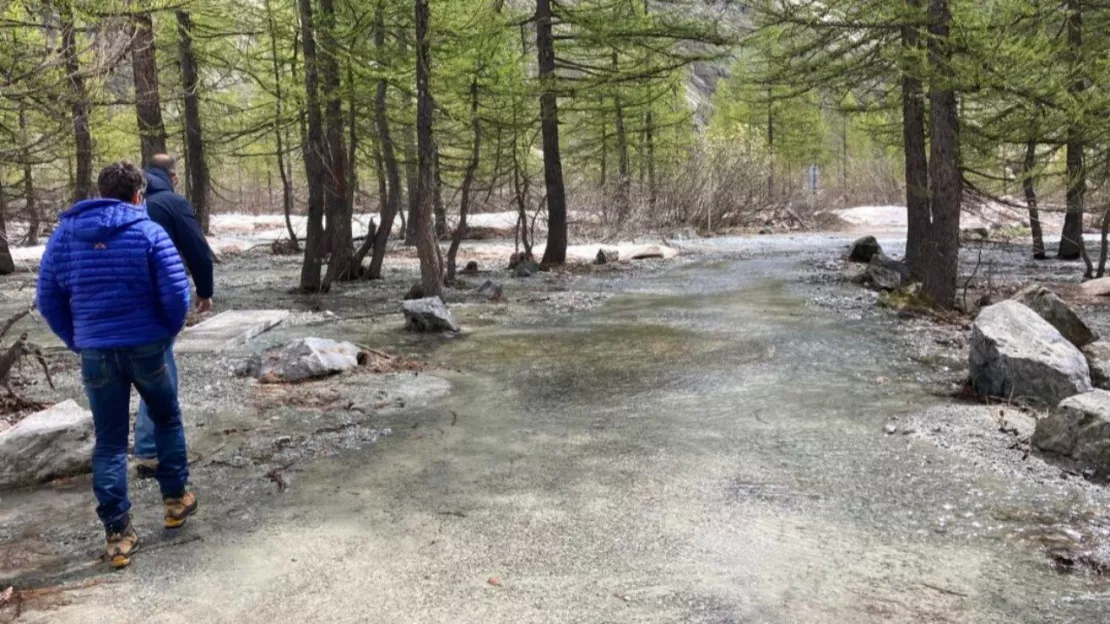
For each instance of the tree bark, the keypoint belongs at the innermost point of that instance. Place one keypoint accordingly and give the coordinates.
(279, 131)
(30, 205)
(945, 179)
(1071, 240)
(392, 204)
(468, 181)
(198, 179)
(7, 264)
(1028, 185)
(79, 105)
(338, 233)
(431, 270)
(624, 173)
(556, 251)
(918, 219)
(314, 149)
(649, 139)
(148, 103)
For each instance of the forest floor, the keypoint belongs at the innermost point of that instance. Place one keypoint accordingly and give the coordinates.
(737, 433)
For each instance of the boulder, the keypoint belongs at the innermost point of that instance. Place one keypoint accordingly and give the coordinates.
(429, 315)
(975, 234)
(307, 358)
(864, 249)
(605, 256)
(886, 273)
(1097, 287)
(526, 268)
(1053, 309)
(1017, 355)
(1098, 359)
(471, 268)
(1080, 431)
(490, 291)
(53, 443)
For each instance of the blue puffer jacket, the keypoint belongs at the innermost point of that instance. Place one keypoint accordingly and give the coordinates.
(111, 278)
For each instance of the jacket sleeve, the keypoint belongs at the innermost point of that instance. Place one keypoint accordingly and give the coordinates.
(170, 280)
(190, 241)
(52, 299)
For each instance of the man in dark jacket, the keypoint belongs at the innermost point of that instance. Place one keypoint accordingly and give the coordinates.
(176, 216)
(112, 287)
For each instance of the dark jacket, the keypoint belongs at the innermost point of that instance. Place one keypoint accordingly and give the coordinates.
(176, 216)
(111, 278)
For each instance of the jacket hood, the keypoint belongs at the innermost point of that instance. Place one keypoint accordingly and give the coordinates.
(97, 220)
(157, 181)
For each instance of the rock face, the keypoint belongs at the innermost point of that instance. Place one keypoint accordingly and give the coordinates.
(1080, 431)
(605, 256)
(526, 268)
(887, 274)
(490, 291)
(1053, 309)
(429, 315)
(53, 443)
(1015, 354)
(864, 249)
(1098, 359)
(307, 358)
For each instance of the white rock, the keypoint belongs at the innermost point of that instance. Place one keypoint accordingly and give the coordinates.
(56, 442)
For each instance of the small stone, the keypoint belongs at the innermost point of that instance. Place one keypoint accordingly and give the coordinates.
(890, 428)
(490, 291)
(863, 249)
(429, 315)
(471, 268)
(416, 292)
(605, 256)
(527, 268)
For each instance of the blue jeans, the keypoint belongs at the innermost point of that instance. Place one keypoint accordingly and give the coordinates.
(108, 375)
(144, 426)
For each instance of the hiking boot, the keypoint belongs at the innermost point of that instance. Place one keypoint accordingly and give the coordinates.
(179, 509)
(121, 546)
(145, 468)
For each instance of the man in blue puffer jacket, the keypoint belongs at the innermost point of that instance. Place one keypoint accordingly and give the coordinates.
(112, 287)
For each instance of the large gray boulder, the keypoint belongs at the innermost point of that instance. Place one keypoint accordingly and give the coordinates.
(1080, 431)
(1053, 309)
(429, 315)
(1098, 359)
(53, 443)
(885, 273)
(307, 358)
(490, 291)
(1016, 354)
(864, 249)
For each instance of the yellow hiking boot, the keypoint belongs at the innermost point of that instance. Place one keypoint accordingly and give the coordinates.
(121, 546)
(178, 510)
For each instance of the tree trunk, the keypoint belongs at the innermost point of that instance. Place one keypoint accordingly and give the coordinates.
(521, 186)
(314, 149)
(279, 131)
(1028, 184)
(1071, 241)
(624, 173)
(338, 234)
(649, 139)
(7, 264)
(148, 104)
(556, 251)
(431, 271)
(437, 201)
(945, 181)
(194, 138)
(79, 105)
(1104, 241)
(352, 145)
(918, 220)
(392, 204)
(468, 181)
(30, 206)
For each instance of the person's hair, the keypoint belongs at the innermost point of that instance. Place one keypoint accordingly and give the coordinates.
(121, 180)
(165, 162)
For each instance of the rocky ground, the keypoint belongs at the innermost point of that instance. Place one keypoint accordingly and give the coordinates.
(249, 441)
